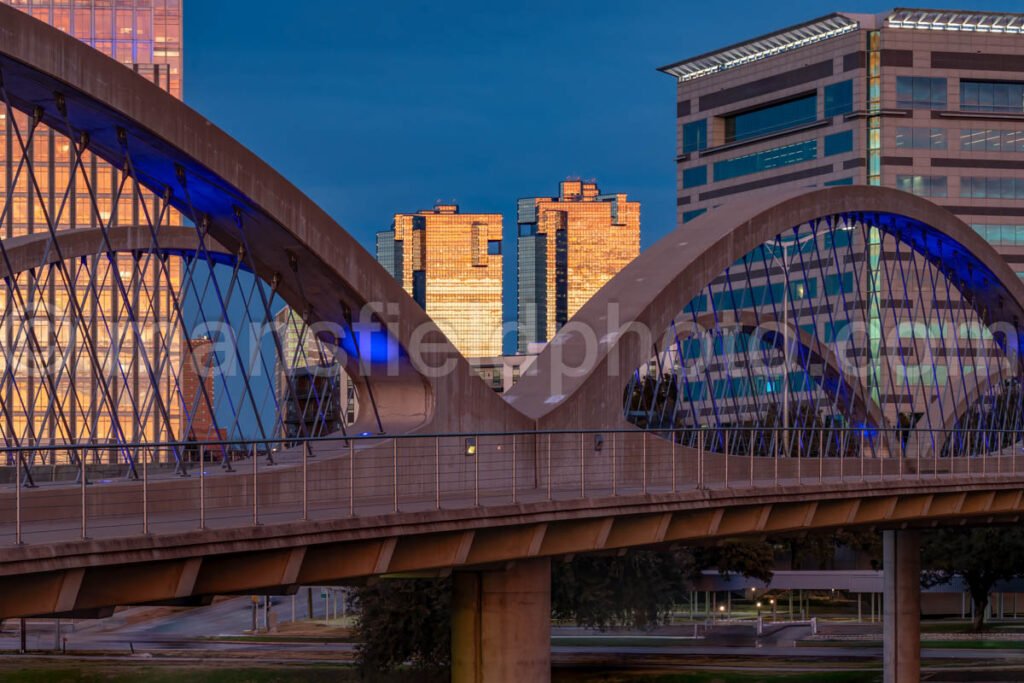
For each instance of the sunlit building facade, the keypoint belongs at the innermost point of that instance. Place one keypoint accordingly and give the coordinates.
(569, 247)
(54, 393)
(450, 262)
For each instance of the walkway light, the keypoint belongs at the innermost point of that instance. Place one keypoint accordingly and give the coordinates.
(470, 446)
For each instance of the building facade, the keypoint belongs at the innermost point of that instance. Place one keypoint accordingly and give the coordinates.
(71, 400)
(450, 262)
(930, 102)
(569, 247)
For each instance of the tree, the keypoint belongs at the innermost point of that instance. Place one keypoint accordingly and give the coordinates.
(405, 622)
(982, 557)
(640, 588)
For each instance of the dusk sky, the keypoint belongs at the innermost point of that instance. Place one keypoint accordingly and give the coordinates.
(373, 108)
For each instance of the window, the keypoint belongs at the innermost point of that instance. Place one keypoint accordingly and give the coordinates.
(772, 118)
(838, 98)
(527, 229)
(988, 140)
(921, 138)
(695, 136)
(922, 185)
(992, 188)
(690, 215)
(841, 181)
(1012, 235)
(494, 247)
(995, 96)
(840, 143)
(917, 92)
(768, 159)
(692, 177)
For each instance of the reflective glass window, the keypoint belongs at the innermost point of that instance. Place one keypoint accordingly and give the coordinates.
(921, 138)
(839, 143)
(767, 159)
(838, 98)
(923, 185)
(695, 136)
(772, 118)
(919, 92)
(693, 177)
(690, 215)
(994, 96)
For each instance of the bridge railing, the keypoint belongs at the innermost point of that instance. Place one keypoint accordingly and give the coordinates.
(63, 492)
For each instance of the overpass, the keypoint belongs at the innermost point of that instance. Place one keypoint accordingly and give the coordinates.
(843, 357)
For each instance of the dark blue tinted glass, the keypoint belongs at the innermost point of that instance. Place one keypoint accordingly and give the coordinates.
(995, 96)
(494, 247)
(768, 159)
(690, 215)
(918, 92)
(838, 98)
(840, 143)
(772, 118)
(692, 177)
(695, 136)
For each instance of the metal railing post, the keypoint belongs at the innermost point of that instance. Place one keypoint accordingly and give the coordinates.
(476, 473)
(673, 462)
(305, 480)
(700, 457)
(437, 473)
(644, 448)
(615, 475)
(752, 468)
(725, 443)
(145, 495)
(17, 498)
(862, 454)
(255, 487)
(394, 472)
(549, 466)
(919, 458)
(583, 470)
(515, 472)
(776, 473)
(351, 478)
(84, 484)
(202, 487)
(821, 455)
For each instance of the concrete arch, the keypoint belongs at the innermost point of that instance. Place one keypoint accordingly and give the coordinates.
(577, 381)
(32, 251)
(319, 268)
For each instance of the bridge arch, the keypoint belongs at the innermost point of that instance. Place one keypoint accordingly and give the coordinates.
(237, 201)
(579, 378)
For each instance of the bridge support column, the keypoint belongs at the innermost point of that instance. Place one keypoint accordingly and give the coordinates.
(501, 624)
(901, 633)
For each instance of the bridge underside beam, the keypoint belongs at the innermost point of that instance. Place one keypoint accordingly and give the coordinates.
(501, 624)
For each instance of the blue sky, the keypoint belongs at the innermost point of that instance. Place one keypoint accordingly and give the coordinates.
(373, 108)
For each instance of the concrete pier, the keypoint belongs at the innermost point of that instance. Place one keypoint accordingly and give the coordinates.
(501, 624)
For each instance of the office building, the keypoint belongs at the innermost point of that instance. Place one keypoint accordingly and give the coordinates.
(930, 102)
(569, 247)
(450, 262)
(79, 402)
(927, 101)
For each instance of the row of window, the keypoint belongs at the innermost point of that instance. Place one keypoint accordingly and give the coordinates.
(766, 160)
(977, 187)
(992, 188)
(924, 92)
(838, 99)
(1006, 235)
(971, 139)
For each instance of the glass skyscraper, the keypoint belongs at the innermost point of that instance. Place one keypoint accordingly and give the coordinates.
(68, 399)
(569, 247)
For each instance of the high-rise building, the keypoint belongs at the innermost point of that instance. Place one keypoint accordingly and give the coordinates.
(569, 247)
(82, 403)
(450, 262)
(927, 101)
